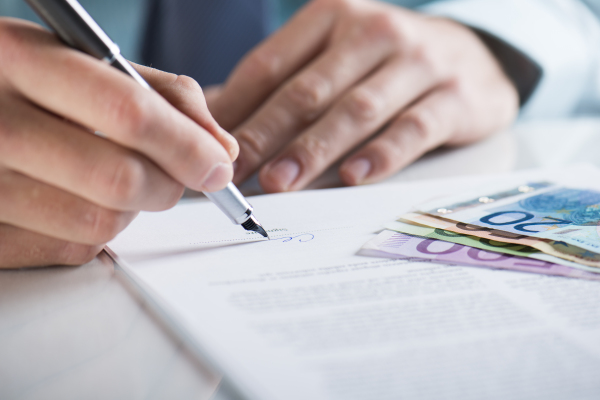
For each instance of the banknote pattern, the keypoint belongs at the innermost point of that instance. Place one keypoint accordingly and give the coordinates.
(560, 250)
(569, 217)
(400, 245)
(516, 249)
(553, 227)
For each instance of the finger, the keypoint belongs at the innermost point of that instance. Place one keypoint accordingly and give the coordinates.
(99, 97)
(22, 248)
(185, 94)
(426, 125)
(272, 62)
(358, 115)
(212, 93)
(305, 97)
(61, 154)
(44, 209)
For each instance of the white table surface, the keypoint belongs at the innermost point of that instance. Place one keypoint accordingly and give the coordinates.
(79, 333)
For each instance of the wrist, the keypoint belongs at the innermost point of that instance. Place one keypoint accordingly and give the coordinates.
(523, 72)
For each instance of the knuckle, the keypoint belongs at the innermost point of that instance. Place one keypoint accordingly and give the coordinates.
(77, 254)
(123, 181)
(190, 151)
(308, 93)
(102, 225)
(175, 194)
(363, 105)
(7, 36)
(422, 124)
(133, 112)
(428, 60)
(318, 6)
(385, 27)
(388, 154)
(462, 89)
(314, 150)
(186, 83)
(254, 143)
(12, 37)
(263, 66)
(16, 40)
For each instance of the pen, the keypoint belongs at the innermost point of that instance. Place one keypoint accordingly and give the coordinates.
(77, 28)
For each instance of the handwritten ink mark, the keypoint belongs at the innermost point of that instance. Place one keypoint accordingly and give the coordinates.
(302, 238)
(245, 240)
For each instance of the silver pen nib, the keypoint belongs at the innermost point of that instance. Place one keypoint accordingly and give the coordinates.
(252, 224)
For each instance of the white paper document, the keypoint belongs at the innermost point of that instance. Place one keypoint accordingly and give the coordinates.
(303, 317)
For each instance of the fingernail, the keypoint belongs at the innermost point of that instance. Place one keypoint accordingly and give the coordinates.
(284, 173)
(217, 178)
(358, 169)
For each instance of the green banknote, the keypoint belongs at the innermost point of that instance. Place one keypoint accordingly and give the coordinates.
(472, 241)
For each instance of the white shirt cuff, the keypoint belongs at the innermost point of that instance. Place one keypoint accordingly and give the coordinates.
(561, 36)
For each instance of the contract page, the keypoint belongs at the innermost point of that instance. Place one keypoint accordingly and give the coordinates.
(302, 316)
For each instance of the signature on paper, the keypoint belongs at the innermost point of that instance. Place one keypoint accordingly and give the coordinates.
(301, 238)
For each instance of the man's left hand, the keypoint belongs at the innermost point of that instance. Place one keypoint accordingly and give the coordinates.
(373, 83)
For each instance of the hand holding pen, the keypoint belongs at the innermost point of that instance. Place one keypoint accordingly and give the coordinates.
(65, 191)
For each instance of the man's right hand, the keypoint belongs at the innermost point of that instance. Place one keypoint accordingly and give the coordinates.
(65, 191)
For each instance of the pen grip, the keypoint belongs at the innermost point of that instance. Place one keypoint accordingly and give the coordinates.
(232, 203)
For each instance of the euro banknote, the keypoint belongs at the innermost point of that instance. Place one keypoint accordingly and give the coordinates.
(514, 249)
(400, 245)
(566, 216)
(561, 250)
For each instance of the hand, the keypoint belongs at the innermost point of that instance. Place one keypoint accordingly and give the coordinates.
(64, 191)
(366, 81)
